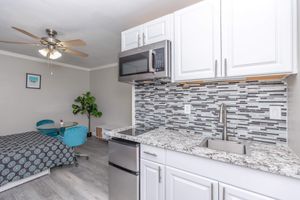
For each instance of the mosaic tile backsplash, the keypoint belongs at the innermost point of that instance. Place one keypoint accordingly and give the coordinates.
(161, 103)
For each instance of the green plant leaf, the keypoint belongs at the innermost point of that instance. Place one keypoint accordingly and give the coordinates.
(86, 104)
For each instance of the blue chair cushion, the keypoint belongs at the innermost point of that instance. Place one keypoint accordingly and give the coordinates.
(49, 132)
(44, 121)
(74, 136)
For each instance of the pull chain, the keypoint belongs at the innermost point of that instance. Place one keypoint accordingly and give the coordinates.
(50, 66)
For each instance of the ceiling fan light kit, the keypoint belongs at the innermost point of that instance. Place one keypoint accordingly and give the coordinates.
(53, 47)
(51, 54)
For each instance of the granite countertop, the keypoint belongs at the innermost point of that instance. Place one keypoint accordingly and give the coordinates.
(276, 159)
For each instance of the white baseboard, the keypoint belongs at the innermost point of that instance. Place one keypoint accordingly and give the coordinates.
(25, 180)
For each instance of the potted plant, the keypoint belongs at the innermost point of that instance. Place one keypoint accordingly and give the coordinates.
(86, 105)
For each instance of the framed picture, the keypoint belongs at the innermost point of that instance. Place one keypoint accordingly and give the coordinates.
(33, 81)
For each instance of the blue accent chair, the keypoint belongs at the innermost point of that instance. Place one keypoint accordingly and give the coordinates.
(49, 132)
(75, 137)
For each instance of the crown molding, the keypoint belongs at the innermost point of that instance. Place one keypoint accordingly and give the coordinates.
(31, 58)
(104, 67)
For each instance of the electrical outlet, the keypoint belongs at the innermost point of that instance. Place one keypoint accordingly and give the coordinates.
(187, 109)
(275, 112)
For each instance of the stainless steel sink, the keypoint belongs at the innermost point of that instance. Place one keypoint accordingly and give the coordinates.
(224, 145)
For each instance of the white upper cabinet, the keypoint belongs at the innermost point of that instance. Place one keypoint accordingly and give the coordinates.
(197, 41)
(225, 38)
(232, 193)
(253, 37)
(158, 30)
(257, 37)
(154, 31)
(131, 38)
(152, 180)
(182, 185)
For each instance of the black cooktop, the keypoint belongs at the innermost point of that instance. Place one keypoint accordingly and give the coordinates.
(137, 131)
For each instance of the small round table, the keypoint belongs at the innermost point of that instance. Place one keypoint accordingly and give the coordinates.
(59, 127)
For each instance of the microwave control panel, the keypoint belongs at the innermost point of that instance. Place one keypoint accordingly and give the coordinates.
(159, 59)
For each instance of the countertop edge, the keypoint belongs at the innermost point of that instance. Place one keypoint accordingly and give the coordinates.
(201, 155)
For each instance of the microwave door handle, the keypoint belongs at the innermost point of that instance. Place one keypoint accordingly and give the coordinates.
(151, 63)
(154, 62)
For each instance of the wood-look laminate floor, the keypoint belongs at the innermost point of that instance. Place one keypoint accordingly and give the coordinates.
(88, 181)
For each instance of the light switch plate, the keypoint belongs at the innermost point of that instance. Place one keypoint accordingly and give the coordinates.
(275, 112)
(187, 109)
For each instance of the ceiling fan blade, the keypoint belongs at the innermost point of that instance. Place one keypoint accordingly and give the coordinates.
(13, 42)
(71, 43)
(75, 52)
(26, 33)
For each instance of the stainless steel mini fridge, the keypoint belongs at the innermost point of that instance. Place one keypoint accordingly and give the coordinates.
(124, 169)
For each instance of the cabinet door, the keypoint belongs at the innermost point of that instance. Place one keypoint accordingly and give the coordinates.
(257, 37)
(158, 30)
(152, 181)
(131, 38)
(182, 185)
(232, 193)
(197, 41)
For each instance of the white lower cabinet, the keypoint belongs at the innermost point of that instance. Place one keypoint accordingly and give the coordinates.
(181, 185)
(152, 180)
(228, 192)
(170, 175)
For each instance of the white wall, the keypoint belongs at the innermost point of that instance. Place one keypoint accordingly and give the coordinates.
(21, 108)
(294, 103)
(294, 113)
(113, 97)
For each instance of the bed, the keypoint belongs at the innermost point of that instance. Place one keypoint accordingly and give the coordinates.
(27, 154)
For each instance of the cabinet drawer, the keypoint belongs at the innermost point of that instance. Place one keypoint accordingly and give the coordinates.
(153, 153)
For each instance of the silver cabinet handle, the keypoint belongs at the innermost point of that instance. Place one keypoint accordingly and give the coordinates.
(225, 66)
(221, 70)
(216, 68)
(159, 174)
(144, 39)
(150, 154)
(139, 39)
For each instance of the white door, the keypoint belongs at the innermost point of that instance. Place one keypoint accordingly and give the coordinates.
(181, 185)
(132, 38)
(158, 30)
(152, 181)
(232, 193)
(197, 41)
(257, 36)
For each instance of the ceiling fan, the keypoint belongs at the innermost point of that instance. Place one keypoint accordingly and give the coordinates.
(53, 47)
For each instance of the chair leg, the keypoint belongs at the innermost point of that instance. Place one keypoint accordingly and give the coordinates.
(76, 161)
(77, 154)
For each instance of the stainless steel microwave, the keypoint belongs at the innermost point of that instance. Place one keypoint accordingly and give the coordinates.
(147, 62)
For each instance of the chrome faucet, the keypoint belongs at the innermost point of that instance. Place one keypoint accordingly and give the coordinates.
(223, 120)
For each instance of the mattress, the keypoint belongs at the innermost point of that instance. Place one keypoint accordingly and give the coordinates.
(29, 153)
